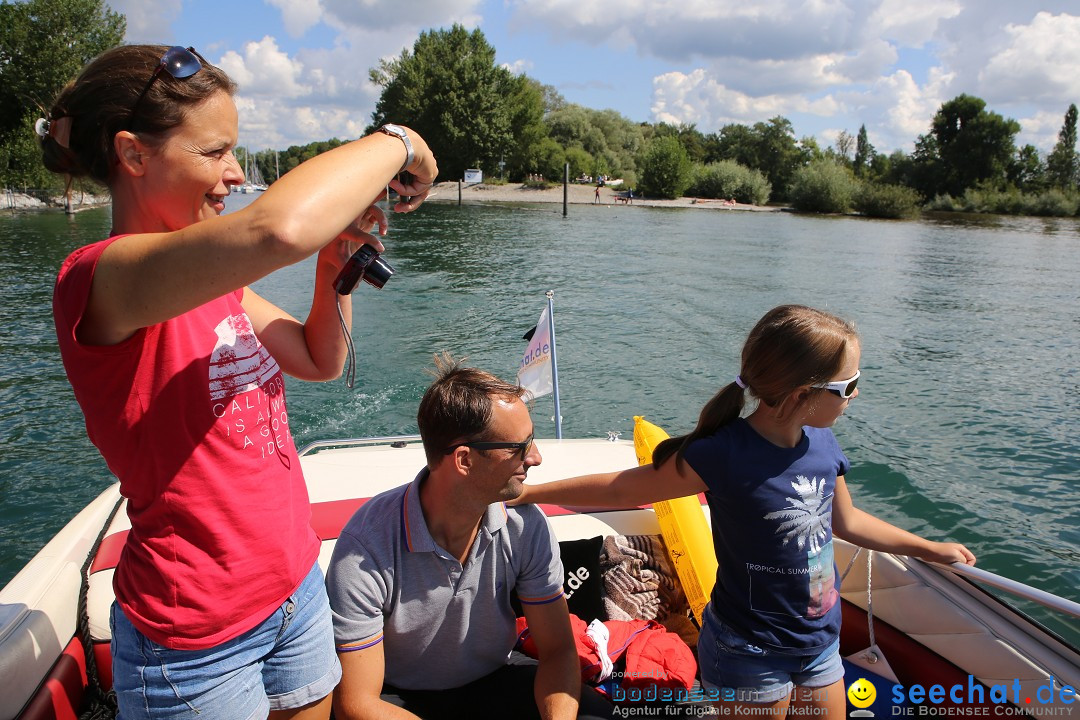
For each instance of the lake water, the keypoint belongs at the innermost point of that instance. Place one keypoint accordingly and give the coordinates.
(966, 426)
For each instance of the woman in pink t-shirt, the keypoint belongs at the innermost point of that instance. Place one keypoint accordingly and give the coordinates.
(178, 367)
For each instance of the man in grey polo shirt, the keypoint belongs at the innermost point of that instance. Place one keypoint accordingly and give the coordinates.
(421, 577)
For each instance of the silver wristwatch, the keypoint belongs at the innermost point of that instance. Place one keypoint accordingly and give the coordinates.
(399, 132)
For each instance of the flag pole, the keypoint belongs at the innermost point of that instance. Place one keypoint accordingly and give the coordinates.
(554, 365)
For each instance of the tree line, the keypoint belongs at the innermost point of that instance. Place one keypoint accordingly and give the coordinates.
(477, 114)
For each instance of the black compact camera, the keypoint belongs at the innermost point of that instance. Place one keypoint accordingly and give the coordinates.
(365, 264)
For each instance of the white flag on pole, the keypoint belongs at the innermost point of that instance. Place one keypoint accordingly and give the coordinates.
(534, 373)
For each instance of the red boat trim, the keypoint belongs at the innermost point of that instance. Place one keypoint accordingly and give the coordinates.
(327, 519)
(60, 695)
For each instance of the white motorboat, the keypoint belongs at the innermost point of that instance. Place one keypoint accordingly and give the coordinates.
(935, 629)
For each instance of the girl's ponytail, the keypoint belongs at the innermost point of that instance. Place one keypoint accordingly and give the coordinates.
(792, 346)
(721, 409)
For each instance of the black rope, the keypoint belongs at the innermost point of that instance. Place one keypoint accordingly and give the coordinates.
(99, 704)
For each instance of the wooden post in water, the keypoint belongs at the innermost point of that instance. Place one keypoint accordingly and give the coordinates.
(459, 192)
(565, 187)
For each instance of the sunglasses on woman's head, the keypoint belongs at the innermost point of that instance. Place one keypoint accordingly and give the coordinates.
(180, 62)
(843, 388)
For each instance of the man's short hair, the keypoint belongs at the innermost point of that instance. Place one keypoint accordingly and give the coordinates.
(458, 405)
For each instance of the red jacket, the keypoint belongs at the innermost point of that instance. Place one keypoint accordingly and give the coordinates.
(654, 656)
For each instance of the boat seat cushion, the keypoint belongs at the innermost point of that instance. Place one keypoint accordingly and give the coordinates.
(583, 584)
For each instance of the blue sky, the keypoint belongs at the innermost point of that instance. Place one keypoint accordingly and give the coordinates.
(826, 65)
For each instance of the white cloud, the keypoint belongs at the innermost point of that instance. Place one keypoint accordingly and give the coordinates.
(906, 109)
(865, 65)
(519, 66)
(264, 69)
(912, 23)
(698, 98)
(298, 16)
(316, 94)
(148, 22)
(1038, 64)
(387, 14)
(1041, 129)
(829, 65)
(681, 30)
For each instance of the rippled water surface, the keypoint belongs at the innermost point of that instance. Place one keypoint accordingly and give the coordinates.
(966, 425)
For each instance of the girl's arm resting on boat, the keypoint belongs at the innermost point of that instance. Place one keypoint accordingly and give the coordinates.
(558, 676)
(357, 696)
(865, 530)
(624, 488)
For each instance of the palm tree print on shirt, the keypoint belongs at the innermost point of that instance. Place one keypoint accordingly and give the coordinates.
(807, 520)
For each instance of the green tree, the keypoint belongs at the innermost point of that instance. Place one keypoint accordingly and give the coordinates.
(886, 201)
(693, 141)
(727, 179)
(844, 145)
(923, 169)
(823, 186)
(610, 138)
(581, 162)
(1027, 171)
(769, 147)
(738, 143)
(526, 102)
(43, 45)
(451, 91)
(864, 153)
(1063, 165)
(665, 169)
(546, 158)
(571, 126)
(974, 146)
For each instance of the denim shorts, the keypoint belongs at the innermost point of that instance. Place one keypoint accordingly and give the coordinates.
(287, 661)
(747, 673)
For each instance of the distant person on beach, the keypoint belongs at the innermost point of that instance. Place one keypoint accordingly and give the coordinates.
(179, 368)
(596, 196)
(774, 480)
(421, 577)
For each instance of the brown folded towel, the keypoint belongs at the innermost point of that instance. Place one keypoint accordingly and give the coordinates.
(639, 580)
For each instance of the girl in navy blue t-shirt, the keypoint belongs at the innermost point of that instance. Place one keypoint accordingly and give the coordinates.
(774, 480)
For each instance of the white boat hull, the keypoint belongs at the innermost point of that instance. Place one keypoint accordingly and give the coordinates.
(928, 622)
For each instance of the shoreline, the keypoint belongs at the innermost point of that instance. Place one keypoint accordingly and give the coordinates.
(17, 201)
(577, 194)
(447, 192)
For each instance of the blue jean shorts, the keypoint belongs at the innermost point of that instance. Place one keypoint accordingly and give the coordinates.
(747, 673)
(287, 661)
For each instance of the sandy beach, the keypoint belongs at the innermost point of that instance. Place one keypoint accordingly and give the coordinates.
(577, 195)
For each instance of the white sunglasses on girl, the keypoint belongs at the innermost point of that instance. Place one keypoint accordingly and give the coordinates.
(843, 388)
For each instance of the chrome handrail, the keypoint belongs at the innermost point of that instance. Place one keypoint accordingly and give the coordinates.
(357, 442)
(1018, 589)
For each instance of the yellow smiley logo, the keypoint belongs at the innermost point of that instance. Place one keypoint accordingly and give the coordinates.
(862, 693)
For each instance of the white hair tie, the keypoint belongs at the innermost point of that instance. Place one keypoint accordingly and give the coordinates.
(739, 382)
(58, 129)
